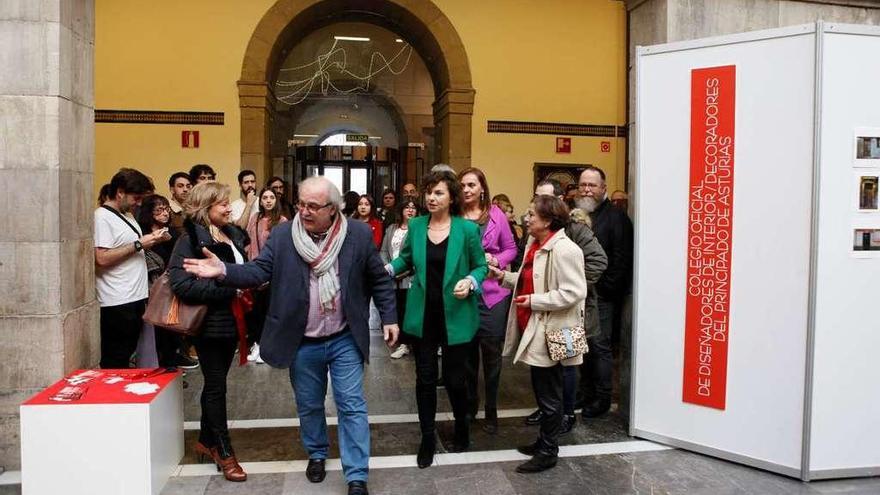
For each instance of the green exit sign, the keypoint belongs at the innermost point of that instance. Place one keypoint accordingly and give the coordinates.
(357, 138)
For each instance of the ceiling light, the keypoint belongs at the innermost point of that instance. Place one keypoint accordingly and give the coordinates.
(374, 137)
(350, 38)
(398, 40)
(305, 135)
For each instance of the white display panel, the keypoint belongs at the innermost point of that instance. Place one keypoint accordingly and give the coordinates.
(762, 423)
(845, 434)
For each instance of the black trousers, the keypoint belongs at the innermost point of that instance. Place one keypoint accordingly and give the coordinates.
(547, 385)
(456, 359)
(168, 345)
(121, 326)
(490, 349)
(215, 358)
(257, 316)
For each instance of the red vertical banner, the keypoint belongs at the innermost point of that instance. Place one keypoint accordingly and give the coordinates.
(710, 236)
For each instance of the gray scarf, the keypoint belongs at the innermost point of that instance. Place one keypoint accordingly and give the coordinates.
(322, 257)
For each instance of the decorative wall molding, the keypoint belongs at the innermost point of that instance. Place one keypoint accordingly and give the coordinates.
(158, 117)
(556, 129)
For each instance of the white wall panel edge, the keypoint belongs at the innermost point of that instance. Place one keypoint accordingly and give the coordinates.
(839, 28)
(814, 253)
(728, 39)
(829, 474)
(791, 471)
(635, 304)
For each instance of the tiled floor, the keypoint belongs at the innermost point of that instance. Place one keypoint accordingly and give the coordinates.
(275, 458)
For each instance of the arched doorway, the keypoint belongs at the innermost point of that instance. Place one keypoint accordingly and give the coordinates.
(424, 26)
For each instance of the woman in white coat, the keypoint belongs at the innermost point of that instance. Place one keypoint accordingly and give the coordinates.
(550, 290)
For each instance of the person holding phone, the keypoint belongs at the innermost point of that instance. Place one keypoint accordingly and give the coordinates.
(550, 290)
(155, 217)
(444, 253)
(208, 231)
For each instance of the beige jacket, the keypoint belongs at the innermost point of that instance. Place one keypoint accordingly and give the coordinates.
(561, 262)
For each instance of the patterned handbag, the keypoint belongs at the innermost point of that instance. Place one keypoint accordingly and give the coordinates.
(566, 342)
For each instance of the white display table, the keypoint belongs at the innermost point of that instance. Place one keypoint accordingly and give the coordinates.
(123, 435)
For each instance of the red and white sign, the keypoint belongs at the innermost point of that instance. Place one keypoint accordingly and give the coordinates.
(125, 386)
(189, 139)
(710, 236)
(605, 147)
(563, 145)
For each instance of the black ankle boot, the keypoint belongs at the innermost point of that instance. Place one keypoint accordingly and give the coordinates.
(490, 426)
(425, 456)
(462, 439)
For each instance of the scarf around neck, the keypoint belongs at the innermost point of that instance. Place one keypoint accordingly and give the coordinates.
(322, 256)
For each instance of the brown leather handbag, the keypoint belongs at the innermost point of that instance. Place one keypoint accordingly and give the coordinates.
(166, 310)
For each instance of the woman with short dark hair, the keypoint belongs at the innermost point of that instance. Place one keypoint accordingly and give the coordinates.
(448, 263)
(550, 290)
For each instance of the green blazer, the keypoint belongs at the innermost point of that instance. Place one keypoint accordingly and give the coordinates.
(464, 256)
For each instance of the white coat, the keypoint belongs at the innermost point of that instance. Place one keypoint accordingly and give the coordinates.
(556, 303)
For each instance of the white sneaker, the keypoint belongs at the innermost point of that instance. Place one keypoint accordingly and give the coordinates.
(260, 360)
(402, 350)
(439, 351)
(255, 353)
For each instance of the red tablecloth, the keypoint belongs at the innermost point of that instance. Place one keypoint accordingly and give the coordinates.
(106, 387)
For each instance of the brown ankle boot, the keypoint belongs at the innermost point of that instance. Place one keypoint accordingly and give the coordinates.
(227, 462)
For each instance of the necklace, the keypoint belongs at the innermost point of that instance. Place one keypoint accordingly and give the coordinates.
(445, 227)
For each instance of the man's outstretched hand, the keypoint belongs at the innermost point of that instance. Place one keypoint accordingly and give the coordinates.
(210, 267)
(391, 334)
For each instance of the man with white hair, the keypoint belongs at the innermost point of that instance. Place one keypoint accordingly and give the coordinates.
(324, 270)
(615, 233)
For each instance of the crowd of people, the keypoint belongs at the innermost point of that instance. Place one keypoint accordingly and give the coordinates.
(449, 272)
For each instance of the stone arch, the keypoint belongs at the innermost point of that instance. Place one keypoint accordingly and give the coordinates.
(420, 22)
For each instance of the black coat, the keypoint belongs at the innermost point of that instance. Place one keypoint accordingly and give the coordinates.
(219, 321)
(361, 275)
(615, 232)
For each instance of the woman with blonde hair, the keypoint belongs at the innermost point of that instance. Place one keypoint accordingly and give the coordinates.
(550, 289)
(207, 226)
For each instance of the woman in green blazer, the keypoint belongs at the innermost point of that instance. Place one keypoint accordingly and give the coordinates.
(446, 256)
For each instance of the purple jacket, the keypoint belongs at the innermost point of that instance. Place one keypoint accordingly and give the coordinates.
(497, 241)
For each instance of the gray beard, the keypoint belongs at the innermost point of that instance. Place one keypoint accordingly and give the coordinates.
(586, 203)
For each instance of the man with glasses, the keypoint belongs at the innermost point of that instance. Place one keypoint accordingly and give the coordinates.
(615, 232)
(324, 269)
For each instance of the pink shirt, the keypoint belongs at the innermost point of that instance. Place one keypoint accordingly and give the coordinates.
(320, 322)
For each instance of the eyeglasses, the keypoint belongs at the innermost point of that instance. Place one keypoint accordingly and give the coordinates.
(311, 207)
(589, 185)
(161, 209)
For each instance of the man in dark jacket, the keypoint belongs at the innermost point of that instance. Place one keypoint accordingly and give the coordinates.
(615, 232)
(324, 270)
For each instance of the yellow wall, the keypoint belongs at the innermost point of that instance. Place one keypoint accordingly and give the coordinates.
(549, 61)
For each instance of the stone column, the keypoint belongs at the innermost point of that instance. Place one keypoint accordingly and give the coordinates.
(256, 100)
(453, 110)
(48, 311)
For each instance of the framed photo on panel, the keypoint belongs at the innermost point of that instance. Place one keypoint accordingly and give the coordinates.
(866, 147)
(866, 195)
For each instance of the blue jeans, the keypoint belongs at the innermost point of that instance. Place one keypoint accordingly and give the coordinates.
(308, 374)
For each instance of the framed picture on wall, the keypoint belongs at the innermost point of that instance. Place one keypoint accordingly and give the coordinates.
(866, 152)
